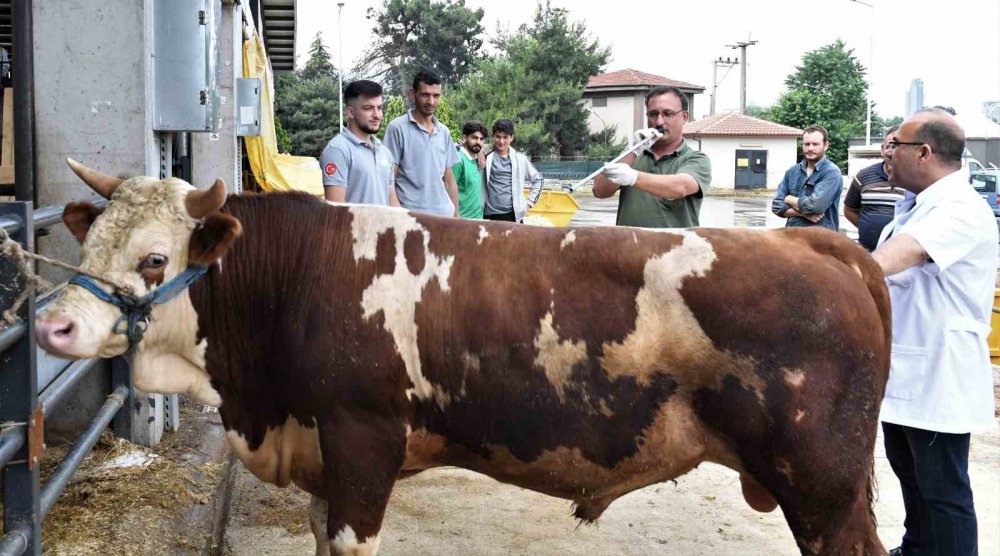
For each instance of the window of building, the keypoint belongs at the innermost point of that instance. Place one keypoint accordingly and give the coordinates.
(599, 102)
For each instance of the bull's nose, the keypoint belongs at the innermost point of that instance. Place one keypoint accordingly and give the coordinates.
(55, 335)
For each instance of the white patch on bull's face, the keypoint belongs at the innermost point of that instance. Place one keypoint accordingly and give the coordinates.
(346, 543)
(664, 323)
(555, 356)
(396, 295)
(145, 216)
(570, 238)
(483, 234)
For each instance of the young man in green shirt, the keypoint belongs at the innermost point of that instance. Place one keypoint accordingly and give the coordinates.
(662, 187)
(467, 174)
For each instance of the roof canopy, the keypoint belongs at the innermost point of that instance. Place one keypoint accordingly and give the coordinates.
(737, 125)
(630, 79)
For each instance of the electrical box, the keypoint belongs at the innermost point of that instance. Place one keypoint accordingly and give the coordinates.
(186, 65)
(248, 106)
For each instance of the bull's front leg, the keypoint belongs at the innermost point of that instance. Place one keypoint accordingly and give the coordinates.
(362, 455)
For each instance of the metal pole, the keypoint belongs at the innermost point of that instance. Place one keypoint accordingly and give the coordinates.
(871, 61)
(19, 396)
(743, 78)
(715, 85)
(742, 45)
(64, 471)
(871, 72)
(24, 104)
(340, 70)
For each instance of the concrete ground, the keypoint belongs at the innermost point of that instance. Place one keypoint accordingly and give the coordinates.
(451, 511)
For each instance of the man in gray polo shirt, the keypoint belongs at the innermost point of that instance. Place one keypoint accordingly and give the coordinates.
(357, 168)
(424, 152)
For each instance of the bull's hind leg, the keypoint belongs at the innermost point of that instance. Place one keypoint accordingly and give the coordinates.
(814, 458)
(317, 522)
(362, 456)
(827, 503)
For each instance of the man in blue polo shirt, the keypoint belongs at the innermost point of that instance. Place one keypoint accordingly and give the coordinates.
(809, 194)
(357, 168)
(424, 152)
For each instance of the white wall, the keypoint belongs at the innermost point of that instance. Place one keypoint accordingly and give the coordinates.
(92, 80)
(619, 112)
(781, 155)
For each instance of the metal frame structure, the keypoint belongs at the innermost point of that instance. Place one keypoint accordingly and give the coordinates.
(24, 403)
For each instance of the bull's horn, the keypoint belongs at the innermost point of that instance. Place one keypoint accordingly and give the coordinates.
(103, 184)
(200, 203)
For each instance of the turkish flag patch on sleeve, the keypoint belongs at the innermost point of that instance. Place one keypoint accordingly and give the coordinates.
(330, 169)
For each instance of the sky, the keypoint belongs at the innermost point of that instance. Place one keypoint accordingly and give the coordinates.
(953, 46)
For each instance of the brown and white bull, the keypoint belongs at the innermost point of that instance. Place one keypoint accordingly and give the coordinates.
(349, 346)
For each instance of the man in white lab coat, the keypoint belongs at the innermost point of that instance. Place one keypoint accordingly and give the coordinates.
(939, 256)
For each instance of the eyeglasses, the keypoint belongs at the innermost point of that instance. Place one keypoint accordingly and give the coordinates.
(667, 114)
(891, 145)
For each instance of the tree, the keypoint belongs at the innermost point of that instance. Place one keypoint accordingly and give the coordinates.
(308, 110)
(281, 137)
(320, 64)
(557, 60)
(537, 81)
(493, 91)
(879, 125)
(603, 145)
(442, 36)
(306, 103)
(393, 107)
(828, 89)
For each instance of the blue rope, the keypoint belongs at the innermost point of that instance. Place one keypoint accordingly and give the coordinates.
(136, 310)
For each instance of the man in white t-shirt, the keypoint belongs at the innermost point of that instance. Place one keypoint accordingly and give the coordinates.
(939, 255)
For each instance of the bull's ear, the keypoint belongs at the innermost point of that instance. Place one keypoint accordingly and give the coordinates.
(212, 238)
(78, 217)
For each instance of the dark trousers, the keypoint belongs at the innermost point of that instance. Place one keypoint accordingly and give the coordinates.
(505, 217)
(933, 469)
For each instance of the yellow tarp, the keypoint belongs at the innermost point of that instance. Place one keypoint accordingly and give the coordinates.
(274, 171)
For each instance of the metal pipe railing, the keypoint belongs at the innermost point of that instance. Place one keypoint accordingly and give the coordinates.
(10, 334)
(11, 440)
(61, 476)
(51, 397)
(11, 224)
(15, 542)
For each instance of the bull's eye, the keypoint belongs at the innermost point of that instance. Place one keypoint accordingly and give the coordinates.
(153, 261)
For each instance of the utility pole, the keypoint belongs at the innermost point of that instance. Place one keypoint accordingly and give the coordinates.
(742, 45)
(340, 70)
(715, 81)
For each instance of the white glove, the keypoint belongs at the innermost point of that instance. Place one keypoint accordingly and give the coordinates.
(641, 135)
(621, 174)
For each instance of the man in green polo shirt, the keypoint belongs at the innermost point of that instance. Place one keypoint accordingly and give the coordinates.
(662, 187)
(467, 174)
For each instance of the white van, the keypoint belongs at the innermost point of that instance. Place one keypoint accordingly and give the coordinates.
(970, 165)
